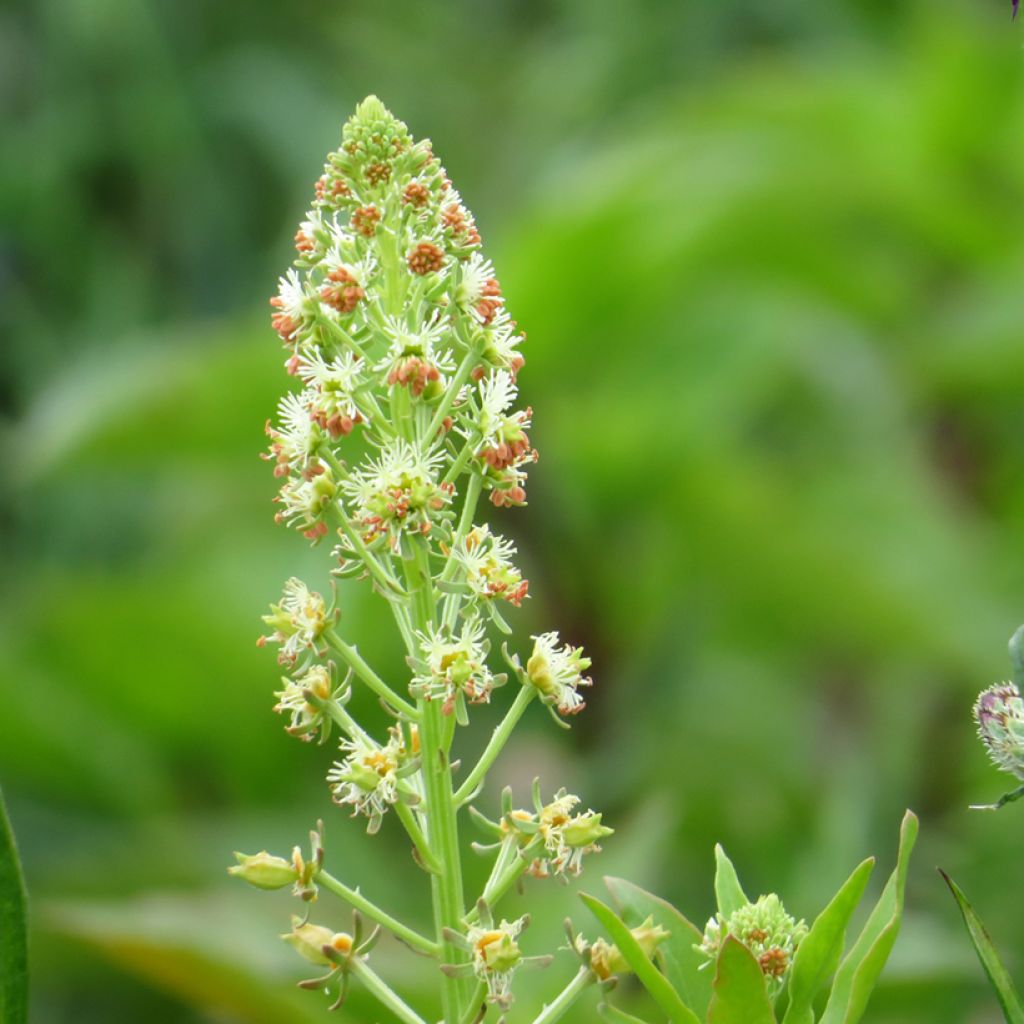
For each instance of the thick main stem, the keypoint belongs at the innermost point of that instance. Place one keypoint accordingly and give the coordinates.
(555, 1011)
(442, 827)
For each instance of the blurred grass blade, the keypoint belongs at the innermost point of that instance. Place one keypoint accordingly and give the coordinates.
(13, 937)
(728, 891)
(616, 1015)
(859, 971)
(649, 976)
(1005, 990)
(818, 954)
(682, 960)
(739, 993)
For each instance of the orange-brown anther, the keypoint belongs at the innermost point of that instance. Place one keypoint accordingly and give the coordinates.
(774, 961)
(377, 173)
(416, 194)
(365, 220)
(454, 218)
(343, 298)
(303, 243)
(425, 258)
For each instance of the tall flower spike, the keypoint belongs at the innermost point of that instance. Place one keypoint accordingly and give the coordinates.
(402, 422)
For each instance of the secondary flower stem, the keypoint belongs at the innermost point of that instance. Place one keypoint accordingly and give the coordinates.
(408, 819)
(384, 992)
(451, 393)
(476, 1001)
(376, 570)
(566, 997)
(494, 747)
(355, 899)
(368, 676)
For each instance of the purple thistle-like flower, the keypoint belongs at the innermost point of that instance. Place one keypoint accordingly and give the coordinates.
(999, 713)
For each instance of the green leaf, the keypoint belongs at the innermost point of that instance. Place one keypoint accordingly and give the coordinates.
(998, 976)
(818, 955)
(728, 891)
(13, 939)
(613, 1013)
(649, 976)
(859, 971)
(680, 957)
(739, 993)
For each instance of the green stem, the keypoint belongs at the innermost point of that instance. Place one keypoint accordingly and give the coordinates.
(419, 840)
(355, 899)
(453, 602)
(476, 1001)
(566, 997)
(338, 714)
(13, 941)
(375, 984)
(498, 740)
(446, 887)
(467, 364)
(377, 571)
(460, 462)
(497, 887)
(368, 676)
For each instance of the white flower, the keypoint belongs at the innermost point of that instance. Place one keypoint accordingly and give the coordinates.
(331, 395)
(367, 779)
(455, 665)
(496, 955)
(423, 343)
(297, 621)
(398, 491)
(293, 700)
(294, 441)
(495, 393)
(292, 293)
(485, 558)
(557, 673)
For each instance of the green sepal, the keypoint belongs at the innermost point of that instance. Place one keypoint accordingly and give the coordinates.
(649, 976)
(859, 971)
(818, 954)
(999, 978)
(680, 956)
(739, 994)
(728, 891)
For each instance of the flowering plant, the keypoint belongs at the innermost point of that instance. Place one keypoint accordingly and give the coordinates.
(404, 417)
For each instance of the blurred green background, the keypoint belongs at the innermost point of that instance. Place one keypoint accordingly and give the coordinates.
(769, 257)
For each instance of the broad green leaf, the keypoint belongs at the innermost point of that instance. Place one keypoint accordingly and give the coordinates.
(1006, 991)
(649, 976)
(681, 959)
(739, 993)
(728, 891)
(818, 955)
(617, 1016)
(859, 971)
(13, 941)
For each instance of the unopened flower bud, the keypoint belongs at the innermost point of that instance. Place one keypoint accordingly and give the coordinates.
(999, 712)
(309, 940)
(606, 959)
(584, 830)
(263, 870)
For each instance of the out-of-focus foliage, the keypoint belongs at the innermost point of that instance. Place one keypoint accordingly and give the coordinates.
(769, 259)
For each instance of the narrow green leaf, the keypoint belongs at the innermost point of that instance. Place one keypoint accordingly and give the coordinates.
(818, 955)
(13, 938)
(739, 992)
(859, 971)
(728, 891)
(649, 976)
(613, 1013)
(681, 959)
(1006, 991)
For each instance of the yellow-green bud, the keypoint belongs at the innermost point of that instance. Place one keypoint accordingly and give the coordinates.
(309, 940)
(584, 830)
(263, 870)
(606, 960)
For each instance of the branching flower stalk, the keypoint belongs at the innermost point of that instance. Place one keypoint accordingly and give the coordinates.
(402, 424)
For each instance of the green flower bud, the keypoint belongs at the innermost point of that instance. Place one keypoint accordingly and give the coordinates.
(584, 830)
(606, 960)
(263, 870)
(499, 950)
(309, 940)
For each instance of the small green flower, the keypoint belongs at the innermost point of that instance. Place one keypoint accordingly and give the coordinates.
(263, 870)
(765, 928)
